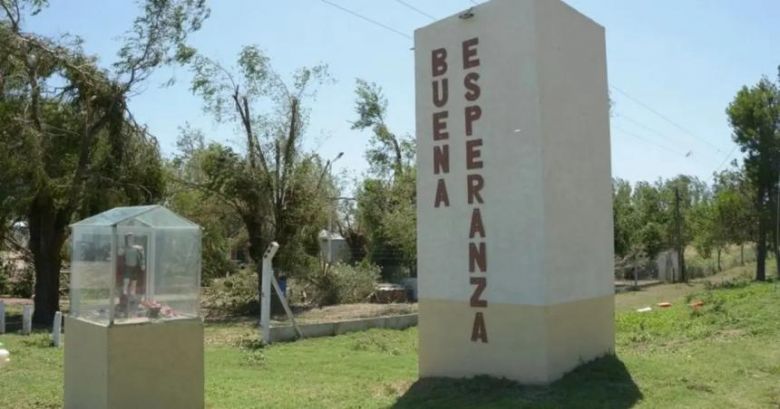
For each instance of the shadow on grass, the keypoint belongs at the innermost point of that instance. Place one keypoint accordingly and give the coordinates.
(604, 383)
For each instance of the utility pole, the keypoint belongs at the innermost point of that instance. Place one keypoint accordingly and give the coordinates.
(678, 235)
(332, 209)
(777, 227)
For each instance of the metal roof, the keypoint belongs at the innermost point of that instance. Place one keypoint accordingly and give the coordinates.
(152, 216)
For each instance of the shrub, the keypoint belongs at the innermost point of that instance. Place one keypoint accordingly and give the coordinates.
(16, 280)
(3, 279)
(337, 284)
(343, 283)
(23, 286)
(216, 263)
(234, 295)
(730, 283)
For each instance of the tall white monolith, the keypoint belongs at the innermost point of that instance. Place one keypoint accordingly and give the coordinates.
(515, 249)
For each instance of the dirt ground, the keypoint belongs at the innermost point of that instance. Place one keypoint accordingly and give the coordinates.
(243, 330)
(673, 293)
(353, 311)
(626, 300)
(16, 301)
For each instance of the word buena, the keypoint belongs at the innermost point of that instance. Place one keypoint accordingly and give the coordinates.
(474, 180)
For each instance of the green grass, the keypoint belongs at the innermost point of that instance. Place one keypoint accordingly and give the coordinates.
(700, 266)
(726, 354)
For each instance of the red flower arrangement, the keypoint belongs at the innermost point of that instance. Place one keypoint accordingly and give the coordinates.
(157, 309)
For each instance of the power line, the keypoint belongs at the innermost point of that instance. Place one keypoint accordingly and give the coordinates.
(411, 7)
(637, 101)
(645, 127)
(665, 118)
(372, 21)
(641, 138)
(726, 159)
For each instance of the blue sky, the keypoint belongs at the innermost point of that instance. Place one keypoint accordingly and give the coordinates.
(684, 59)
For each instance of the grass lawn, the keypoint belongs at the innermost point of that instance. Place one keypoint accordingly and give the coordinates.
(727, 354)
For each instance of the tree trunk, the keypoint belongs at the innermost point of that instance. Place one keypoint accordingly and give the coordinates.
(47, 235)
(776, 251)
(742, 254)
(771, 221)
(777, 258)
(761, 250)
(678, 236)
(256, 247)
(719, 268)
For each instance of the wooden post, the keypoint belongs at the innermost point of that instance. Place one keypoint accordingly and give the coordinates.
(27, 319)
(56, 329)
(286, 306)
(265, 293)
(2, 317)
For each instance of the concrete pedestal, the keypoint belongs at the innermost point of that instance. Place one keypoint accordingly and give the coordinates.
(515, 247)
(131, 366)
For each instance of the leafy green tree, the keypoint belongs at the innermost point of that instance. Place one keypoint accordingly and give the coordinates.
(222, 226)
(678, 196)
(754, 115)
(649, 239)
(734, 208)
(648, 204)
(277, 189)
(68, 119)
(349, 227)
(386, 197)
(651, 218)
(645, 219)
(707, 230)
(624, 216)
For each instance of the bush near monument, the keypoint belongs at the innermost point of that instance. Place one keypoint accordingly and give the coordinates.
(340, 283)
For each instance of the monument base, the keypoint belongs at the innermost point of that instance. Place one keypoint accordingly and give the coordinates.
(147, 365)
(525, 343)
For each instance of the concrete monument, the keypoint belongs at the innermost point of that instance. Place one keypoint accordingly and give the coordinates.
(134, 332)
(515, 253)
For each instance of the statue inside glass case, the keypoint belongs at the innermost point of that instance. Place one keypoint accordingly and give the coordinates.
(134, 311)
(132, 269)
(135, 264)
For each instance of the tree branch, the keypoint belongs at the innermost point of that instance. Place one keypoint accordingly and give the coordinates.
(289, 149)
(14, 17)
(221, 196)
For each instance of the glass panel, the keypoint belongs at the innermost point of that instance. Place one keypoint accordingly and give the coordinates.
(114, 216)
(132, 272)
(162, 217)
(91, 274)
(176, 283)
(127, 269)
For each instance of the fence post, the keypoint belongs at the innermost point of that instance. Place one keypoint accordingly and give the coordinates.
(57, 329)
(2, 317)
(27, 319)
(265, 293)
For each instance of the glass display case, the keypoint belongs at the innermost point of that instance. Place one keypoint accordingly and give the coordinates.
(133, 265)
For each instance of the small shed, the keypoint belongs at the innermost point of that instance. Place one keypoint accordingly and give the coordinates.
(334, 247)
